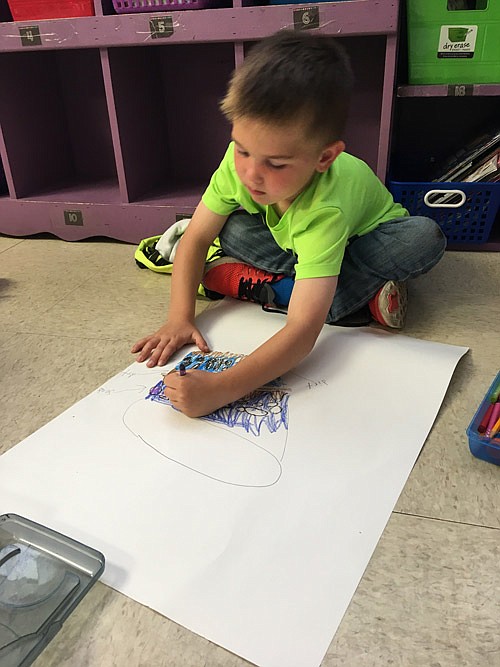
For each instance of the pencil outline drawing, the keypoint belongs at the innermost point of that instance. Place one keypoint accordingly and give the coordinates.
(257, 416)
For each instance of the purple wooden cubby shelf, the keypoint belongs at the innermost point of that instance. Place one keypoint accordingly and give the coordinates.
(109, 130)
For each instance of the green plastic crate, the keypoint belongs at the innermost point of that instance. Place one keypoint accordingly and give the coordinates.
(453, 46)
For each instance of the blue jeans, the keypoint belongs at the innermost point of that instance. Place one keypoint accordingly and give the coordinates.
(397, 250)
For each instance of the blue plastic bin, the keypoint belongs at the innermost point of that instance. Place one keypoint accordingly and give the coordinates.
(465, 217)
(481, 447)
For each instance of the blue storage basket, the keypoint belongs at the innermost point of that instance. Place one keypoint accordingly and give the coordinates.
(464, 211)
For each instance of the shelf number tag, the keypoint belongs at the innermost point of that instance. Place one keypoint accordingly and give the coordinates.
(306, 18)
(463, 90)
(73, 218)
(30, 35)
(161, 27)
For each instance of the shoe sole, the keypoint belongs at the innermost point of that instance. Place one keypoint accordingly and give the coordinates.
(396, 319)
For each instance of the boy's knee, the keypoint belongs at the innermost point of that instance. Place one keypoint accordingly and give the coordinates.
(238, 227)
(427, 231)
(436, 236)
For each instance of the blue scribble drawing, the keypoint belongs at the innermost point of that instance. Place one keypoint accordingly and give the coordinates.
(156, 393)
(266, 407)
(214, 362)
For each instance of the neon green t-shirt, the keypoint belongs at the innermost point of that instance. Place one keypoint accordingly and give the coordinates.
(346, 200)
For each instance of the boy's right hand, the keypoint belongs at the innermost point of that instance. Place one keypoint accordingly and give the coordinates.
(160, 346)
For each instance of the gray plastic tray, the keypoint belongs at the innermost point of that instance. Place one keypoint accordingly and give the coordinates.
(43, 576)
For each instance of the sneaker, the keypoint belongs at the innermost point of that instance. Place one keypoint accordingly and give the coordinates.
(229, 277)
(388, 306)
(360, 318)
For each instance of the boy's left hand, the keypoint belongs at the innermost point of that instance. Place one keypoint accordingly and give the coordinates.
(197, 393)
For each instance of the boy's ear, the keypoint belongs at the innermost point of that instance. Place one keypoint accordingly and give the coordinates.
(329, 154)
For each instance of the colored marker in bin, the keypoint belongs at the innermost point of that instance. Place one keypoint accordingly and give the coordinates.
(495, 429)
(494, 418)
(485, 420)
(495, 394)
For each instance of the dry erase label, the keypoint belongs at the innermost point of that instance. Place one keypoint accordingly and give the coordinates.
(462, 90)
(161, 27)
(73, 218)
(306, 18)
(30, 35)
(457, 41)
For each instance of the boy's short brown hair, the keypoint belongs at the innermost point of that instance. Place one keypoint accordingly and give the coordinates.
(294, 76)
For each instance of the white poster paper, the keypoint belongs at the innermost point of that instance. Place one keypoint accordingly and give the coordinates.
(253, 531)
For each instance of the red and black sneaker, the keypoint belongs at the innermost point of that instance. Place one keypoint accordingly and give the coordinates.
(229, 277)
(389, 305)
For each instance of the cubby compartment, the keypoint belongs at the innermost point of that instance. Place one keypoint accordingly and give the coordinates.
(148, 6)
(55, 124)
(3, 181)
(171, 134)
(105, 7)
(427, 131)
(5, 14)
(365, 131)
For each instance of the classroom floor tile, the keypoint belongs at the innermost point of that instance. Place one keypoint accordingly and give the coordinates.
(447, 482)
(44, 375)
(83, 289)
(430, 595)
(463, 273)
(8, 241)
(451, 305)
(5, 335)
(40, 275)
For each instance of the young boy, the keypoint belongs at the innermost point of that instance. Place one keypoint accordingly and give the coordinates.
(318, 234)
